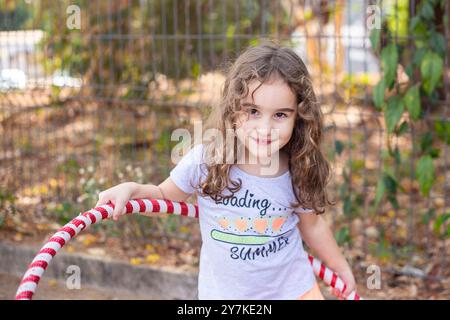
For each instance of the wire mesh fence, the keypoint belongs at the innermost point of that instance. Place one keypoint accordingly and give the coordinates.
(90, 92)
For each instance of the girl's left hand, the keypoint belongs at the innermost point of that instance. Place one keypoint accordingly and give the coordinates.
(349, 280)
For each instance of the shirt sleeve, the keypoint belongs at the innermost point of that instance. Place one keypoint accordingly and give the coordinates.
(303, 210)
(186, 173)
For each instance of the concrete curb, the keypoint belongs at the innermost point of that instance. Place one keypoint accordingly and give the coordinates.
(103, 273)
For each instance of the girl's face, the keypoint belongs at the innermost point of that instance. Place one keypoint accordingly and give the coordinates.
(267, 122)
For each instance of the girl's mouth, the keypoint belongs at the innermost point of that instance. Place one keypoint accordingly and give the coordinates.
(262, 142)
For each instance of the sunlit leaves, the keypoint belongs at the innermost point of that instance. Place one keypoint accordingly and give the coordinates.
(412, 102)
(431, 71)
(389, 60)
(425, 174)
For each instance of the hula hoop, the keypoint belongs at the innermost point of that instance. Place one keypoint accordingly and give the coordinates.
(34, 272)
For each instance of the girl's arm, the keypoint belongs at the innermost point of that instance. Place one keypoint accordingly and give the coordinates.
(165, 190)
(318, 236)
(120, 194)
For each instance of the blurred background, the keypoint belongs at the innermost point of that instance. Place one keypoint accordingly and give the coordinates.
(91, 91)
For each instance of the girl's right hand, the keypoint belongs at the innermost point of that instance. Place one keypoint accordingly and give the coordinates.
(119, 195)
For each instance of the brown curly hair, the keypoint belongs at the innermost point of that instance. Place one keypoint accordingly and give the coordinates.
(308, 166)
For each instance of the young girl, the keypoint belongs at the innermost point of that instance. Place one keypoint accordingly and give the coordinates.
(253, 188)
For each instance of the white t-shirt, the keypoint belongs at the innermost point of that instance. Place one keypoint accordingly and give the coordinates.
(251, 246)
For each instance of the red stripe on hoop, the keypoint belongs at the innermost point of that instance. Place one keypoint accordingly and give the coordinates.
(24, 294)
(129, 207)
(39, 263)
(50, 251)
(184, 209)
(69, 230)
(322, 271)
(169, 206)
(31, 278)
(57, 239)
(345, 287)
(103, 212)
(156, 207)
(310, 258)
(92, 216)
(333, 280)
(76, 222)
(356, 296)
(142, 206)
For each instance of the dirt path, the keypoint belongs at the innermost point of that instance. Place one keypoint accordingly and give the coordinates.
(53, 290)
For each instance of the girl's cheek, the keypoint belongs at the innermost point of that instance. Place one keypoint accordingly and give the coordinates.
(241, 133)
(244, 135)
(245, 129)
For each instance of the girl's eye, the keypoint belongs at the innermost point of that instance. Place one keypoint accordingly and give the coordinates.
(253, 111)
(281, 115)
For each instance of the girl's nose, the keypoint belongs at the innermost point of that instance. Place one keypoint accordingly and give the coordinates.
(264, 134)
(264, 127)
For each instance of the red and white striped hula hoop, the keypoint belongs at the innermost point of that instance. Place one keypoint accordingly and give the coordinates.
(41, 261)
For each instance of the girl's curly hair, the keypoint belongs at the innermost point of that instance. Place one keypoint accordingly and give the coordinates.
(309, 168)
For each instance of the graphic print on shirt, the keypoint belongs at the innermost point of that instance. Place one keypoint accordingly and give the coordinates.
(268, 225)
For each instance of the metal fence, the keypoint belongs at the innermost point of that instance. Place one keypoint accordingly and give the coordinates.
(90, 92)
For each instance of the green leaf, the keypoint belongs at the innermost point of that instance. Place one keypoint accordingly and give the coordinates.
(393, 113)
(343, 235)
(431, 70)
(426, 141)
(442, 128)
(413, 23)
(375, 38)
(195, 71)
(418, 57)
(396, 155)
(434, 152)
(440, 221)
(403, 128)
(438, 43)
(389, 60)
(339, 146)
(419, 31)
(427, 10)
(425, 174)
(393, 201)
(412, 101)
(390, 183)
(410, 70)
(378, 94)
